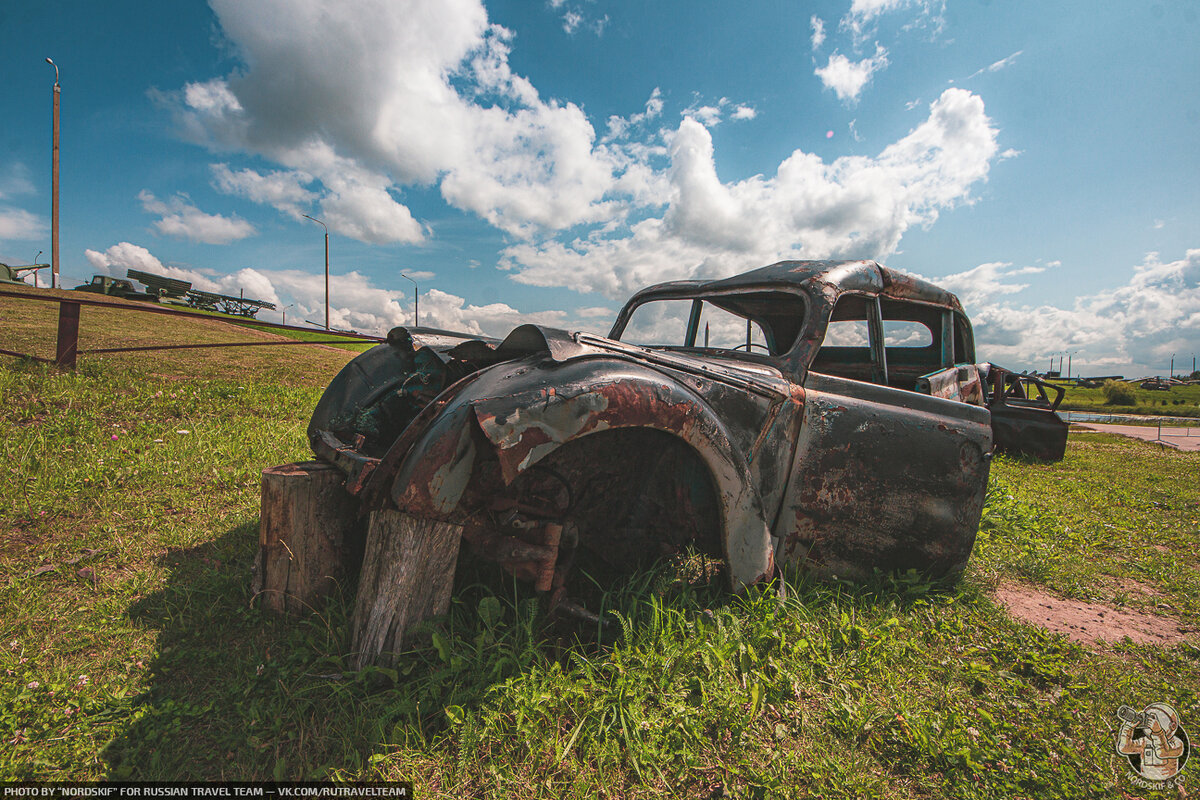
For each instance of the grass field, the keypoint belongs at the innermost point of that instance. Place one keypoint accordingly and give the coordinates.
(130, 647)
(1178, 401)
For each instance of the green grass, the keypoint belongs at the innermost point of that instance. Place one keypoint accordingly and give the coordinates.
(130, 647)
(314, 335)
(1178, 401)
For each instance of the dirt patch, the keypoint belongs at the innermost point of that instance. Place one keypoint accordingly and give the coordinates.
(1086, 622)
(1132, 589)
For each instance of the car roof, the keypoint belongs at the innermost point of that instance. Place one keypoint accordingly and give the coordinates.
(837, 276)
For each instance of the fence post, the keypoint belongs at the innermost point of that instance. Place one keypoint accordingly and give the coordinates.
(68, 334)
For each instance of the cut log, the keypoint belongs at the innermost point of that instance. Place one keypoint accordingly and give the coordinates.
(407, 576)
(306, 534)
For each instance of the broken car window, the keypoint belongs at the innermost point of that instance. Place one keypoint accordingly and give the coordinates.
(762, 323)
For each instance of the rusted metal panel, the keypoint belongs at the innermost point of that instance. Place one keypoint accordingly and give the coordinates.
(884, 480)
(548, 445)
(1023, 418)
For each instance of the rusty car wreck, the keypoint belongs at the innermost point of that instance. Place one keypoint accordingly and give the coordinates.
(828, 416)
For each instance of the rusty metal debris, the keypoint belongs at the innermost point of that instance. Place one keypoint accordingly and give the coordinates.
(825, 415)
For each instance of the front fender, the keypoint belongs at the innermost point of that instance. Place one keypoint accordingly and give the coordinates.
(528, 409)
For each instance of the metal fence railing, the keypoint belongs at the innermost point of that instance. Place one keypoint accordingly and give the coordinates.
(67, 350)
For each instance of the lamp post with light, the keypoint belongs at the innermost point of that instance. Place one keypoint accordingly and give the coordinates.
(285, 313)
(54, 187)
(322, 224)
(35, 272)
(416, 301)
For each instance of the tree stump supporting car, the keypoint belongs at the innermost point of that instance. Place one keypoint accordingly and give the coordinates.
(407, 575)
(307, 526)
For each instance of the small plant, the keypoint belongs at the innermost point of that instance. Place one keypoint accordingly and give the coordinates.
(1119, 393)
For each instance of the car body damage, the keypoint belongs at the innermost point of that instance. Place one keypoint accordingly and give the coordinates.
(826, 415)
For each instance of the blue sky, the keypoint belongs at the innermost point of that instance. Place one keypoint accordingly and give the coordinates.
(541, 161)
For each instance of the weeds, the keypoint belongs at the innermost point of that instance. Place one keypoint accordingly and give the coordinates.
(130, 648)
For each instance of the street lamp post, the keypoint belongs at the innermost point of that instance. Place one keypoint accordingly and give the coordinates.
(35, 271)
(285, 313)
(54, 187)
(322, 224)
(416, 301)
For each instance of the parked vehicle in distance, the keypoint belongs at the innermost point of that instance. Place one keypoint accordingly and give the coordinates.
(825, 415)
(114, 287)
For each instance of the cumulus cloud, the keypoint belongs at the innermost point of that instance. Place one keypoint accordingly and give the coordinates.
(17, 223)
(818, 32)
(356, 303)
(710, 114)
(854, 207)
(848, 78)
(981, 284)
(396, 94)
(284, 189)
(1133, 328)
(182, 220)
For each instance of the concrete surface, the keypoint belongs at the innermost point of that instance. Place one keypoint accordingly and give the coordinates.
(1179, 438)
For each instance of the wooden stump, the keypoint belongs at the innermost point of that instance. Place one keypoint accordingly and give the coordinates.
(407, 575)
(308, 522)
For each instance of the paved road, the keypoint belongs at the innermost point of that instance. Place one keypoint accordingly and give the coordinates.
(1181, 438)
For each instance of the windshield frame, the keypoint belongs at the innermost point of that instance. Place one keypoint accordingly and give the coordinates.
(690, 290)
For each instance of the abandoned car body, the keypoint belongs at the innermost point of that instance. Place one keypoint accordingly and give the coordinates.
(827, 415)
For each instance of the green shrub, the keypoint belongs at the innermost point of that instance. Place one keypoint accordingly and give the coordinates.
(1119, 393)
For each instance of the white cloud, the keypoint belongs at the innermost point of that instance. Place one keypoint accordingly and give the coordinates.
(183, 220)
(854, 207)
(387, 94)
(17, 223)
(283, 190)
(15, 181)
(574, 18)
(997, 65)
(710, 115)
(863, 13)
(707, 116)
(980, 284)
(355, 302)
(619, 127)
(848, 78)
(818, 32)
(1132, 328)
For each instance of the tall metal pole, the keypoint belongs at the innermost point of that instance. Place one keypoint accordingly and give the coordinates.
(35, 272)
(416, 301)
(54, 187)
(322, 224)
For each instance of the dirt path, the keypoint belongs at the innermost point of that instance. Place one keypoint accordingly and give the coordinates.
(1086, 622)
(1179, 438)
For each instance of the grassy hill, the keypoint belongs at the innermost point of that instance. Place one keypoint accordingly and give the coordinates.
(130, 647)
(30, 327)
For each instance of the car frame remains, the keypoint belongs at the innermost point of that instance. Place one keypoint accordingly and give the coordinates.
(839, 424)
